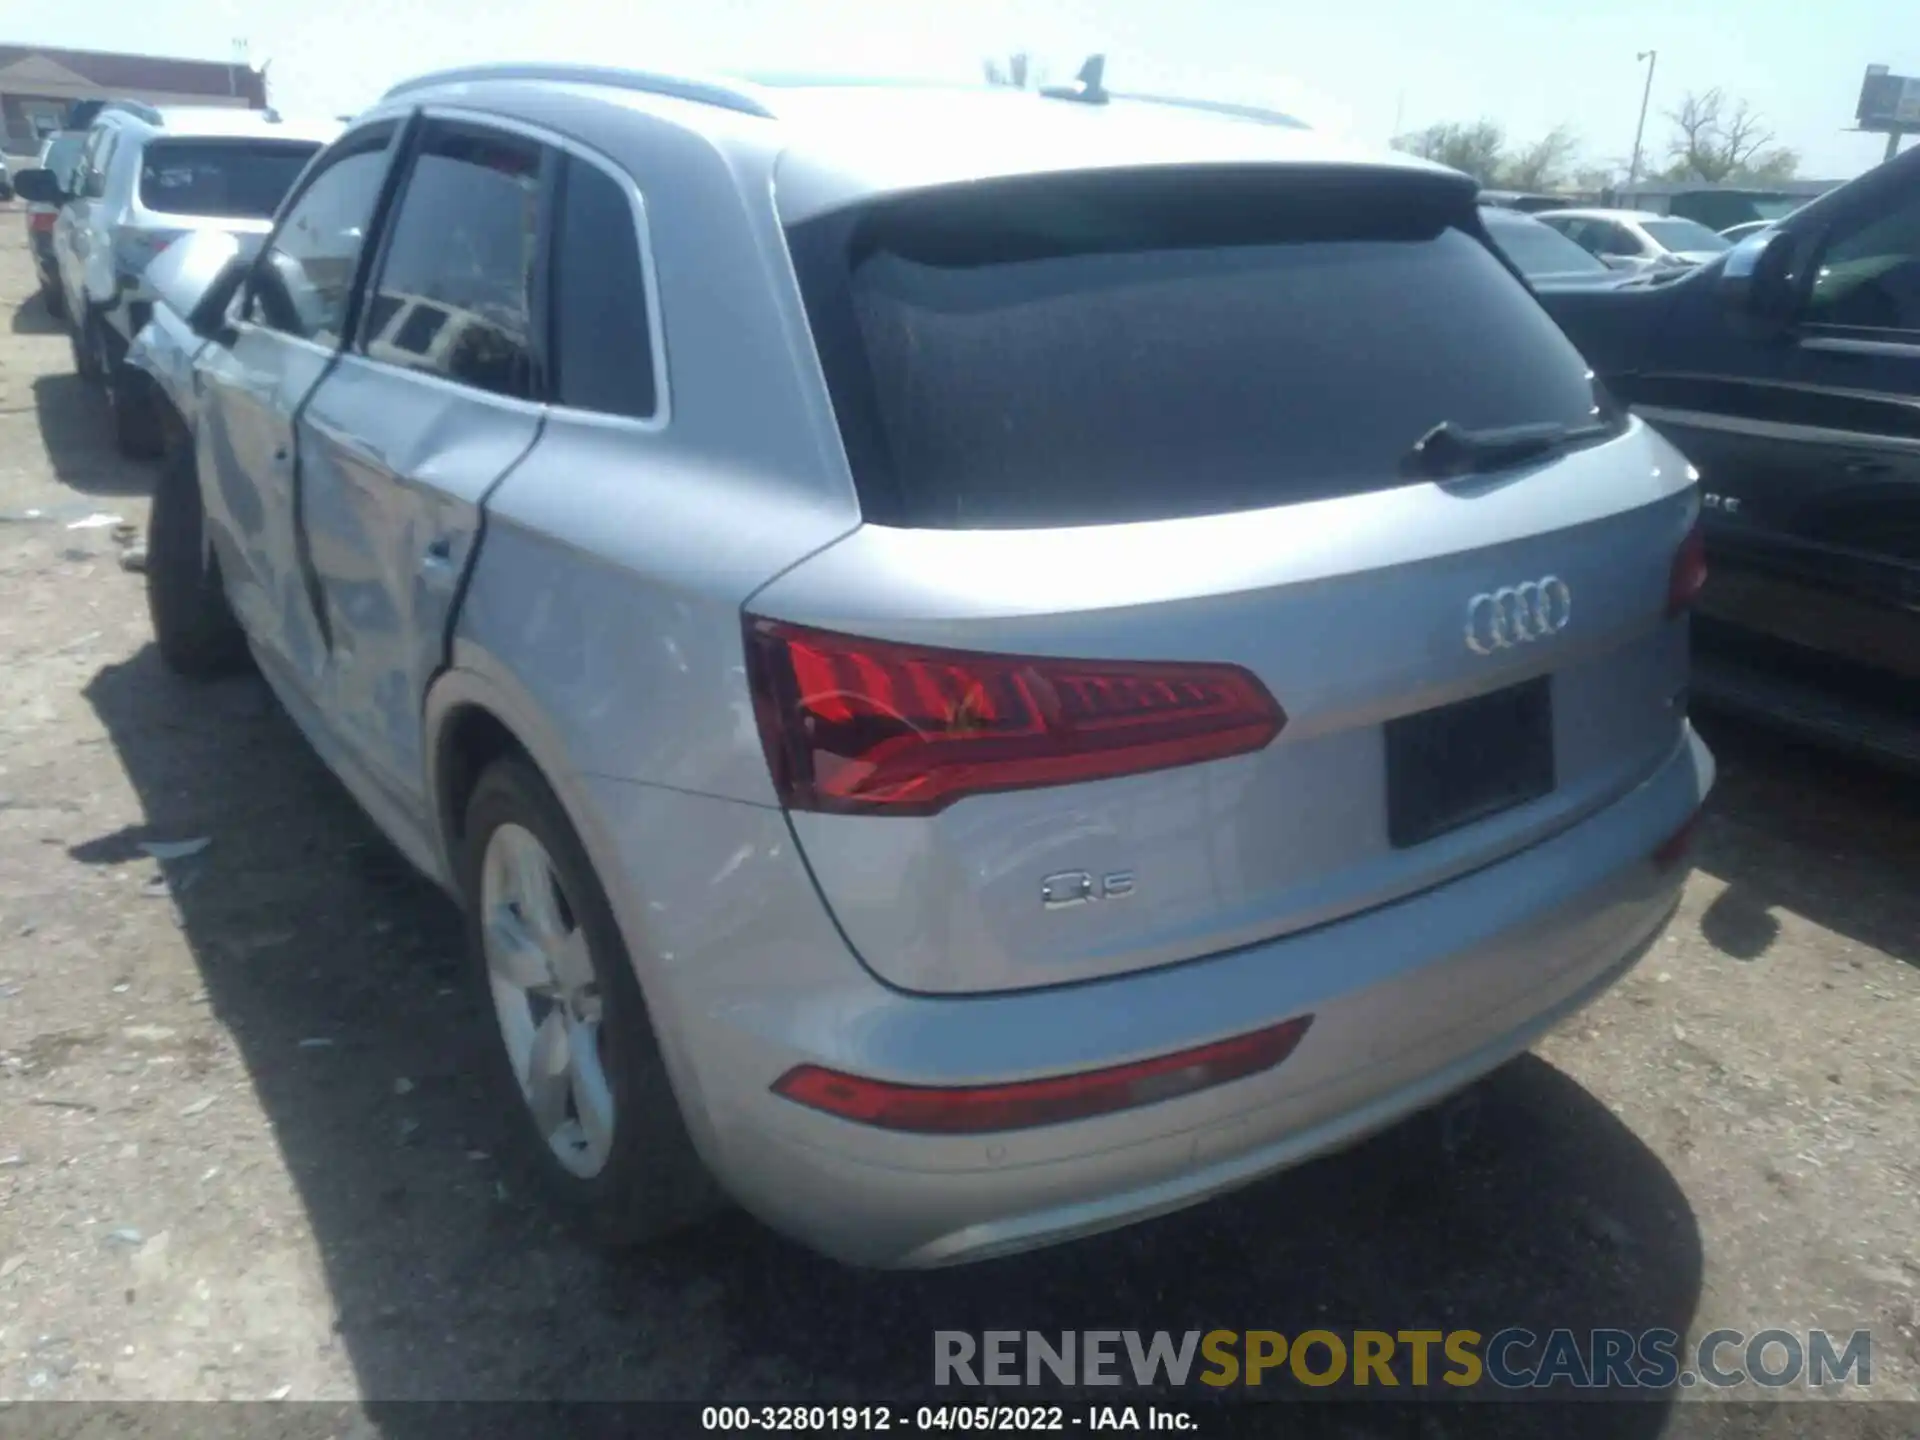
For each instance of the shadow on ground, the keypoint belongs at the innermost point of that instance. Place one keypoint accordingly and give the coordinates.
(73, 422)
(31, 317)
(448, 1285)
(1781, 803)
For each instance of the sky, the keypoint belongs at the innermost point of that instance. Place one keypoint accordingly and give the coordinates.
(1369, 68)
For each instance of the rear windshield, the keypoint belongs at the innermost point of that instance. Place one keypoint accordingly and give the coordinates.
(232, 179)
(1537, 249)
(1095, 349)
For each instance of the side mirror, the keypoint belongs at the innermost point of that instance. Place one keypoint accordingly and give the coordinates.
(196, 276)
(1753, 279)
(39, 187)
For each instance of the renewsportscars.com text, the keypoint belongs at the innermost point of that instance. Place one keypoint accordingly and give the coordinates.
(1512, 1358)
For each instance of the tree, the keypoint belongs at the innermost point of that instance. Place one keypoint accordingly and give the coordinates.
(1601, 178)
(1478, 148)
(1716, 140)
(1543, 164)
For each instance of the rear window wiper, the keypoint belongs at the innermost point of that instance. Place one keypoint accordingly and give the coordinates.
(1449, 450)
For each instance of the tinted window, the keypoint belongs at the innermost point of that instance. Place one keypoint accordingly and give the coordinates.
(1677, 234)
(306, 275)
(603, 348)
(1539, 249)
(1607, 238)
(461, 262)
(60, 154)
(1121, 347)
(227, 178)
(1870, 275)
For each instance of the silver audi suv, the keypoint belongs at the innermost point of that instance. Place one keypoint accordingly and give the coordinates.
(983, 664)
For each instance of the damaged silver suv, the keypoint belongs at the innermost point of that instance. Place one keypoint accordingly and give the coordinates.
(983, 664)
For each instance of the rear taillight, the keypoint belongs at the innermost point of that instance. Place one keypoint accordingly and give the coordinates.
(976, 1109)
(41, 221)
(859, 726)
(1689, 573)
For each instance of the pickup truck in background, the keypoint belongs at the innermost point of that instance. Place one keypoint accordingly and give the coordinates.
(1788, 372)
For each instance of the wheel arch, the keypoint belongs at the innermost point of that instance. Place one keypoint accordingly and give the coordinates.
(475, 711)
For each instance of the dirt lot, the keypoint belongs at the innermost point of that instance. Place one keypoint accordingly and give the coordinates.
(242, 1152)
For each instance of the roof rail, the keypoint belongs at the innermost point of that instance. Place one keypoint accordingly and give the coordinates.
(1219, 107)
(138, 108)
(727, 95)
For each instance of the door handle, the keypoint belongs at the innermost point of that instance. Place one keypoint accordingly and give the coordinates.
(1860, 465)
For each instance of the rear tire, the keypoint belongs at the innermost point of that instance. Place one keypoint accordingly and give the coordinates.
(632, 1175)
(131, 413)
(192, 621)
(80, 339)
(130, 407)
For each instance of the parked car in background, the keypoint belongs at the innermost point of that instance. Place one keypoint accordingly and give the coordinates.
(1788, 370)
(6, 179)
(920, 739)
(1524, 201)
(58, 152)
(1547, 258)
(144, 178)
(1636, 239)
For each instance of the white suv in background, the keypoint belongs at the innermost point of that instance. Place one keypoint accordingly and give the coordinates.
(144, 178)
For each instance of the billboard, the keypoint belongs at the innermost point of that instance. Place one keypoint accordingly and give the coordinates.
(1888, 101)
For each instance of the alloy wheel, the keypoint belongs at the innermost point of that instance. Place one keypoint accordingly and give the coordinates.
(546, 997)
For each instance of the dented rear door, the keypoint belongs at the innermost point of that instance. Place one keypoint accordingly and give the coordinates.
(431, 406)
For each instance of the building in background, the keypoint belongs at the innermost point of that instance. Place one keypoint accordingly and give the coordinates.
(1718, 206)
(38, 84)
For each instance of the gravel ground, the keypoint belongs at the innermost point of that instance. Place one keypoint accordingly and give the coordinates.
(242, 1152)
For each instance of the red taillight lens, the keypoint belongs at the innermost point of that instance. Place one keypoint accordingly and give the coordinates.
(975, 1109)
(860, 726)
(1676, 846)
(1689, 573)
(41, 220)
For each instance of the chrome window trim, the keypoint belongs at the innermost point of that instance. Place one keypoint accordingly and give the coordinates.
(1777, 430)
(1849, 345)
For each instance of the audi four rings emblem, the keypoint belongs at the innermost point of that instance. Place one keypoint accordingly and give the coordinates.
(1518, 614)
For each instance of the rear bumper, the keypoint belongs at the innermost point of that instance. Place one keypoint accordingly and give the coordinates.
(1411, 1002)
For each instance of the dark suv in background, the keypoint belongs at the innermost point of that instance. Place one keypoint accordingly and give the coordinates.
(1788, 371)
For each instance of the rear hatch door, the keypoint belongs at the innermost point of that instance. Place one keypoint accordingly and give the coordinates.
(1168, 633)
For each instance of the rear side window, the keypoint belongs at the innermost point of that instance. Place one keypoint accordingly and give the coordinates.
(231, 179)
(603, 347)
(1136, 347)
(455, 294)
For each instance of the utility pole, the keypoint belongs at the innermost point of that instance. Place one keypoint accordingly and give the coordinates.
(1893, 144)
(1652, 57)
